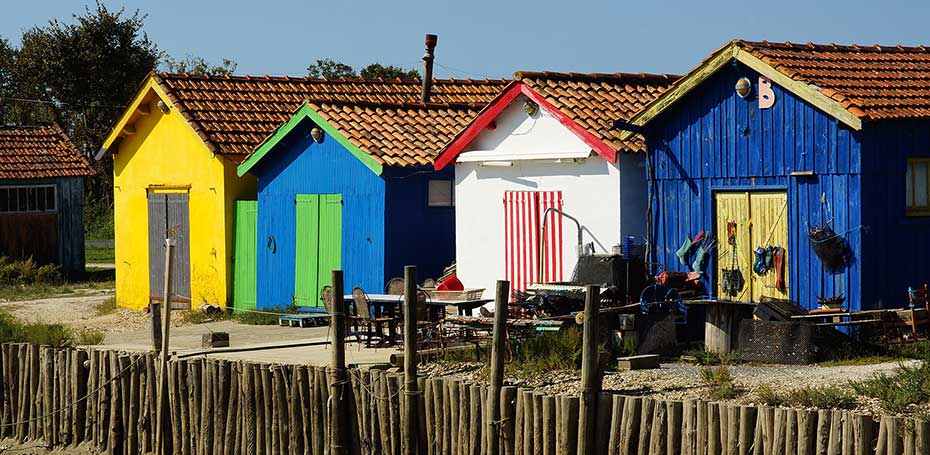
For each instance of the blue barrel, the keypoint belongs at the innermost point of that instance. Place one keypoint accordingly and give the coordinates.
(626, 247)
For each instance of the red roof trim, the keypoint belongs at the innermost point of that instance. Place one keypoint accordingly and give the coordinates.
(490, 113)
(493, 109)
(596, 144)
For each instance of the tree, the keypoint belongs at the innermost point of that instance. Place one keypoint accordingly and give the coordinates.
(376, 70)
(83, 74)
(330, 69)
(7, 84)
(199, 66)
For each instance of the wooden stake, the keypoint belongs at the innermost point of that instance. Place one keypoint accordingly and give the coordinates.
(590, 379)
(632, 406)
(338, 436)
(674, 414)
(508, 410)
(410, 361)
(497, 365)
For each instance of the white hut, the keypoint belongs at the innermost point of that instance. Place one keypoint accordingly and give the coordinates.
(547, 142)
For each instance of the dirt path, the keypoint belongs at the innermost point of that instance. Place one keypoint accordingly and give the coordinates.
(79, 312)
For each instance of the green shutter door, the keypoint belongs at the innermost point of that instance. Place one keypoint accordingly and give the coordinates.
(330, 250)
(319, 245)
(306, 261)
(244, 259)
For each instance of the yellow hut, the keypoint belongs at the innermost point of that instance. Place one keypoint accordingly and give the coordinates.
(175, 152)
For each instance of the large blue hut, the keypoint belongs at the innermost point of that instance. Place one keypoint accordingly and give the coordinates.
(351, 186)
(764, 142)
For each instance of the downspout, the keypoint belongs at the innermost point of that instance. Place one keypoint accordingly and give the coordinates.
(542, 240)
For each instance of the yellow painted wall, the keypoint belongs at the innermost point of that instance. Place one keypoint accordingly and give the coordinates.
(166, 153)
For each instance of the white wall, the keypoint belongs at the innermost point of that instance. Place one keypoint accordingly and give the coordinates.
(591, 192)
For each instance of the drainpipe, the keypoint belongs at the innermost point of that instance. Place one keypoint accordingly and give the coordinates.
(579, 249)
(428, 67)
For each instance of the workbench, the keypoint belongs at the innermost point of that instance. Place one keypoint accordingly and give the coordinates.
(721, 322)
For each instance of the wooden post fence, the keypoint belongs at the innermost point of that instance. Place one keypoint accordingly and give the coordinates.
(497, 368)
(338, 413)
(590, 378)
(410, 360)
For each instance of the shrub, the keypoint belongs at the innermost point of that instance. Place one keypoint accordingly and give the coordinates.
(27, 272)
(549, 351)
(822, 397)
(720, 382)
(265, 317)
(14, 330)
(908, 385)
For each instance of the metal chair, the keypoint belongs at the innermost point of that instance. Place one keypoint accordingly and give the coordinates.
(429, 283)
(394, 286)
(364, 317)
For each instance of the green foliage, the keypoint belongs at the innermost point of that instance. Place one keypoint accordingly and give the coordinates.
(28, 272)
(548, 351)
(908, 385)
(376, 70)
(80, 73)
(720, 382)
(14, 330)
(330, 69)
(702, 357)
(99, 255)
(266, 317)
(89, 337)
(98, 220)
(821, 397)
(199, 66)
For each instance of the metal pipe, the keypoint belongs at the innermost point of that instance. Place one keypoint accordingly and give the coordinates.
(542, 240)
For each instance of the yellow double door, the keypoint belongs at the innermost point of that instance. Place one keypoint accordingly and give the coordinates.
(758, 219)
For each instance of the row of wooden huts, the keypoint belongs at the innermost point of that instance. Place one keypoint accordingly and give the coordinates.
(270, 182)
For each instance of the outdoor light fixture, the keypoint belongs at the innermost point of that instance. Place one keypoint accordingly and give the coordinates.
(743, 87)
(530, 108)
(163, 107)
(317, 134)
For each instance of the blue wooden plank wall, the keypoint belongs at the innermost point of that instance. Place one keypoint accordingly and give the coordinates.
(896, 246)
(713, 140)
(416, 234)
(299, 165)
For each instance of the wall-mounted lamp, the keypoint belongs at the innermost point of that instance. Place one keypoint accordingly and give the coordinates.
(163, 107)
(530, 108)
(743, 87)
(317, 134)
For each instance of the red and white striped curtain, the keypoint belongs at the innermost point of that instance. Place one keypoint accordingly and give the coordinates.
(523, 212)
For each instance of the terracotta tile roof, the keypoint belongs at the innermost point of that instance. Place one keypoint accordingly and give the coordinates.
(234, 114)
(595, 101)
(39, 152)
(873, 82)
(397, 134)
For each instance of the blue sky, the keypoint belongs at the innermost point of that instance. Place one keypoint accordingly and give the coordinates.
(479, 38)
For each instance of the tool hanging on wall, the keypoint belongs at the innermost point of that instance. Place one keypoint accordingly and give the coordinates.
(779, 263)
(732, 279)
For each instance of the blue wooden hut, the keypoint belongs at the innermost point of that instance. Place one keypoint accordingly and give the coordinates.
(763, 142)
(351, 186)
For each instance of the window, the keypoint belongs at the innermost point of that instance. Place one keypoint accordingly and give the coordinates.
(27, 199)
(917, 188)
(441, 193)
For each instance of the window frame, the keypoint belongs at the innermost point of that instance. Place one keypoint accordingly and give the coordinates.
(23, 196)
(429, 185)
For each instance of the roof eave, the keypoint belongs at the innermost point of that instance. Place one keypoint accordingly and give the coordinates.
(305, 112)
(717, 61)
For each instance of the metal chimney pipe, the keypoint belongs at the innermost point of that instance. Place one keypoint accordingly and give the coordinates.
(428, 67)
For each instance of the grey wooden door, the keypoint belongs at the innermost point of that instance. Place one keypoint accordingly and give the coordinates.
(169, 216)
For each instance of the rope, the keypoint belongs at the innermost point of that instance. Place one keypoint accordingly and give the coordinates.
(68, 406)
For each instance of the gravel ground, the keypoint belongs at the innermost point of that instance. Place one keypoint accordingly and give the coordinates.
(676, 380)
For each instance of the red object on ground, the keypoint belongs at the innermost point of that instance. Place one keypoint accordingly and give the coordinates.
(450, 284)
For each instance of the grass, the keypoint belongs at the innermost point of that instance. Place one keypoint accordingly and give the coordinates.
(720, 382)
(98, 221)
(99, 255)
(863, 360)
(821, 397)
(88, 337)
(548, 351)
(106, 307)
